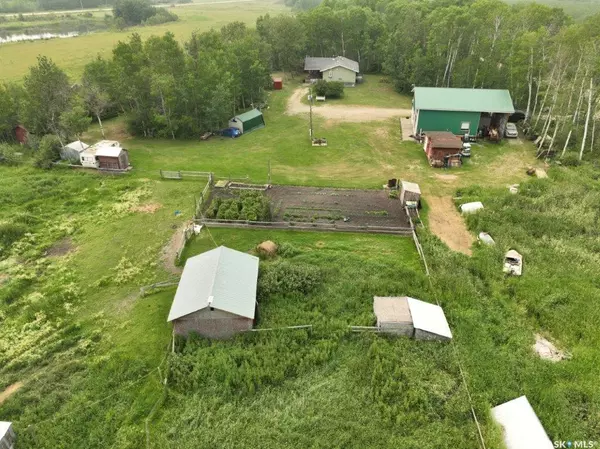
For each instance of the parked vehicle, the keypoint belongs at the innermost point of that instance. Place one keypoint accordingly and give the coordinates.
(511, 130)
(231, 132)
(517, 116)
(513, 263)
(466, 150)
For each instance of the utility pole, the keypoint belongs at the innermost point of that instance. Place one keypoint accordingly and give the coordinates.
(310, 103)
(269, 171)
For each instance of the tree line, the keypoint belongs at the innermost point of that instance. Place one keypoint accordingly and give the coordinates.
(550, 65)
(164, 88)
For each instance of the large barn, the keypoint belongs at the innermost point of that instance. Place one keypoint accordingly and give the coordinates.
(460, 111)
(216, 295)
(332, 69)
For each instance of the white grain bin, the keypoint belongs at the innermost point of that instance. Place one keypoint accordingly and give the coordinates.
(471, 208)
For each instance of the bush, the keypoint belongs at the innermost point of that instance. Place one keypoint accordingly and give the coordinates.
(48, 152)
(161, 16)
(284, 277)
(251, 206)
(8, 155)
(570, 160)
(286, 249)
(132, 12)
(331, 89)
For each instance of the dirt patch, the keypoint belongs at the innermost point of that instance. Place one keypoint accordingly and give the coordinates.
(446, 178)
(9, 391)
(3, 278)
(148, 208)
(169, 252)
(448, 225)
(342, 113)
(325, 205)
(546, 350)
(60, 248)
(382, 133)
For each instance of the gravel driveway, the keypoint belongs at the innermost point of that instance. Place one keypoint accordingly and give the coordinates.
(342, 113)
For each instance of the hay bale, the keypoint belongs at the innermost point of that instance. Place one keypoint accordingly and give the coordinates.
(267, 248)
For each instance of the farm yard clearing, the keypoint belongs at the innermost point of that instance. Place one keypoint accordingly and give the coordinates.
(89, 266)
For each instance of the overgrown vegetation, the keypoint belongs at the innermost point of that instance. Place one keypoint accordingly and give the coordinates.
(248, 205)
(284, 277)
(331, 89)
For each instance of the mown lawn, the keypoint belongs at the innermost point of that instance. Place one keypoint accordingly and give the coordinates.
(74, 53)
(376, 90)
(360, 155)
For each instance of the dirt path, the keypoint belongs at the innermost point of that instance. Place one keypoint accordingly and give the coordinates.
(169, 252)
(448, 225)
(10, 390)
(342, 113)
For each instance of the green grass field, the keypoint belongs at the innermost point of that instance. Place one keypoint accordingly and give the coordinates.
(74, 53)
(375, 91)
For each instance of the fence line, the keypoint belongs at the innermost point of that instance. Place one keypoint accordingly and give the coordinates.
(303, 226)
(452, 342)
(302, 326)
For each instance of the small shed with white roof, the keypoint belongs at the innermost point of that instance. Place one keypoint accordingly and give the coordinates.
(216, 295)
(411, 317)
(409, 191)
(521, 427)
(7, 435)
(73, 150)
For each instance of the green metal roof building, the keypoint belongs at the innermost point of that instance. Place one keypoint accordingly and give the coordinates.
(460, 110)
(248, 121)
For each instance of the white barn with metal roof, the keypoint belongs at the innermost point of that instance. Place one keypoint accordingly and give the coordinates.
(216, 295)
(521, 427)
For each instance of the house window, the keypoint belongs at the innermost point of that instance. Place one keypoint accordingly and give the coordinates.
(465, 126)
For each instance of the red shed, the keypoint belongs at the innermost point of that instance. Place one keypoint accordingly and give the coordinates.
(443, 149)
(277, 83)
(112, 158)
(21, 134)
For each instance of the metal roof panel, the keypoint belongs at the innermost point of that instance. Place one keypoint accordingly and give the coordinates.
(460, 99)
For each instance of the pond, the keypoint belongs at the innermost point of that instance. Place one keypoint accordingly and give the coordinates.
(36, 37)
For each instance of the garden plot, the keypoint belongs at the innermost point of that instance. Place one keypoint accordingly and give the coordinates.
(326, 205)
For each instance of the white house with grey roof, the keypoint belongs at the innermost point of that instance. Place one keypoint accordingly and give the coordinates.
(216, 295)
(338, 68)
